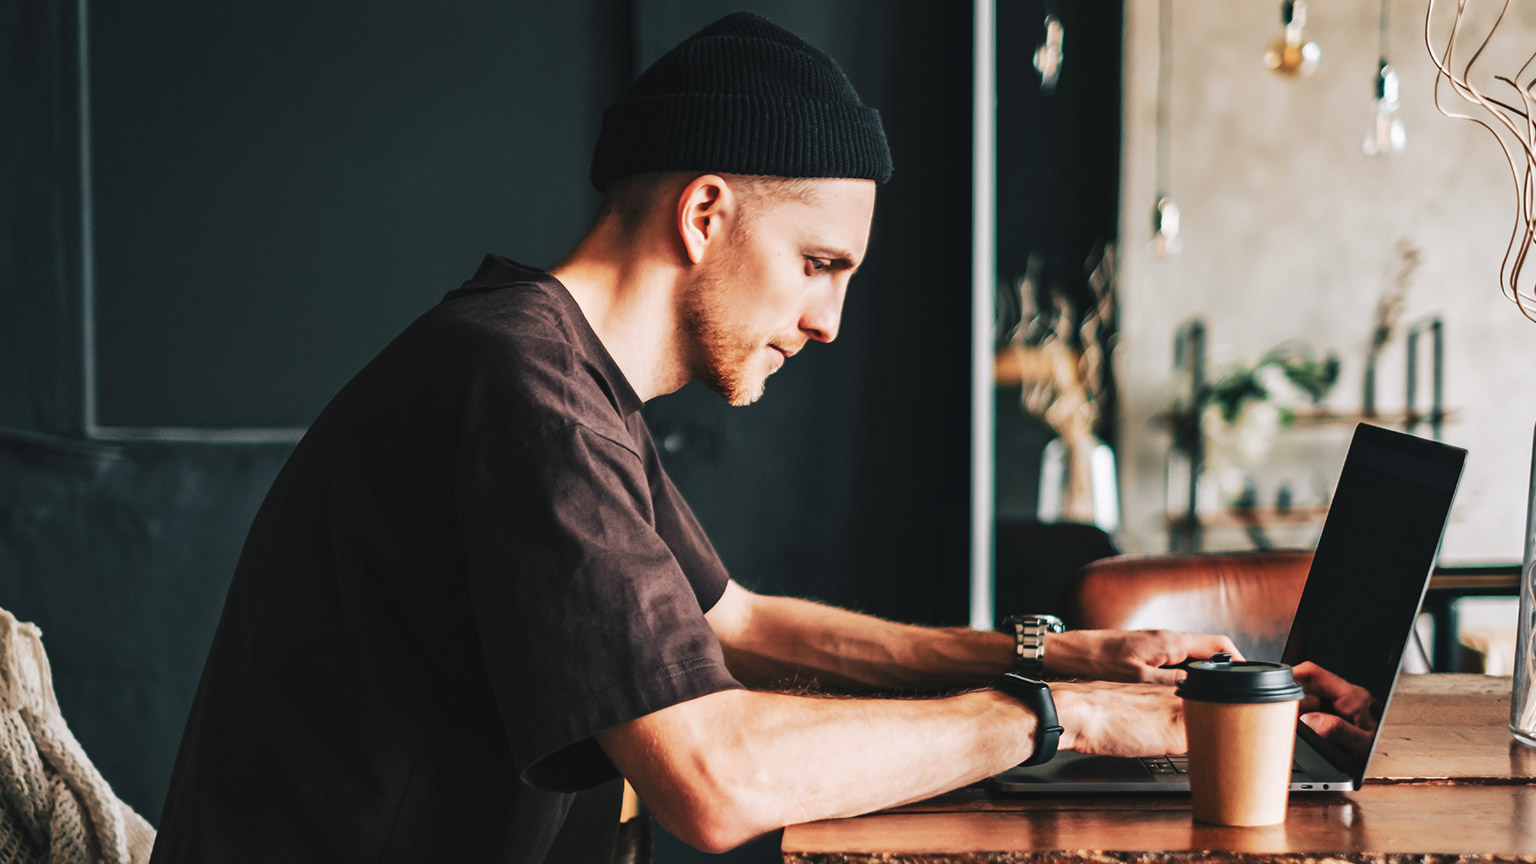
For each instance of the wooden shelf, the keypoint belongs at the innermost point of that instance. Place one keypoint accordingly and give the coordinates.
(1247, 517)
(1189, 436)
(1327, 417)
(1316, 417)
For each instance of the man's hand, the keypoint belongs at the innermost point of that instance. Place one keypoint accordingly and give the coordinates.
(1328, 692)
(1120, 719)
(1336, 709)
(1129, 655)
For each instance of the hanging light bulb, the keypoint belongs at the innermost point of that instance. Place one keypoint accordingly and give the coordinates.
(1165, 227)
(1291, 55)
(1386, 134)
(1048, 55)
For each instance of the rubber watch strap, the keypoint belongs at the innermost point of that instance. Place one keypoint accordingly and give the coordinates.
(1035, 695)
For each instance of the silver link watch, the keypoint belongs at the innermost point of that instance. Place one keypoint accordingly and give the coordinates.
(1029, 639)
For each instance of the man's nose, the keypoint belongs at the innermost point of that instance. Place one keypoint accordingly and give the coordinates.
(821, 319)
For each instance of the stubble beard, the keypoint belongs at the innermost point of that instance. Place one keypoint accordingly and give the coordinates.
(722, 350)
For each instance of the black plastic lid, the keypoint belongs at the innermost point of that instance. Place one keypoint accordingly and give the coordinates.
(1222, 679)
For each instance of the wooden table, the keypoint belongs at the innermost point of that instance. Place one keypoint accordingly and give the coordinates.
(1448, 783)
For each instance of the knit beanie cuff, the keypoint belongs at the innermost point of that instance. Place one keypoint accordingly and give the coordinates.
(726, 133)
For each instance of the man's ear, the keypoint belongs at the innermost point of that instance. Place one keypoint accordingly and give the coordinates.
(703, 206)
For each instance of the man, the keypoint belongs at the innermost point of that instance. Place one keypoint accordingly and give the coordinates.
(473, 599)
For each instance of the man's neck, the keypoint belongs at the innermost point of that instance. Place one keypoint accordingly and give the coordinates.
(628, 299)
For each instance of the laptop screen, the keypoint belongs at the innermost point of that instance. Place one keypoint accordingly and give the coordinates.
(1373, 562)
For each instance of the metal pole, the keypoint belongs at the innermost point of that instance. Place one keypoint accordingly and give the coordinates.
(983, 287)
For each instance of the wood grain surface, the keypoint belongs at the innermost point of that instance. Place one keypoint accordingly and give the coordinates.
(1447, 783)
(1450, 727)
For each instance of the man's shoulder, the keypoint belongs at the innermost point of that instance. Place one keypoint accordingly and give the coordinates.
(510, 306)
(521, 338)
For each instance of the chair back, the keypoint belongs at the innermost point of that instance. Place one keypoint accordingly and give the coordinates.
(1249, 596)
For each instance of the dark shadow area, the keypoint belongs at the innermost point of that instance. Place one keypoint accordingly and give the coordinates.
(263, 227)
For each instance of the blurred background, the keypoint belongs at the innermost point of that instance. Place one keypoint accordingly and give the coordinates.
(213, 215)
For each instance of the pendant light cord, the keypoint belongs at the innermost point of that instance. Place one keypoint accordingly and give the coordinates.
(1164, 89)
(1385, 22)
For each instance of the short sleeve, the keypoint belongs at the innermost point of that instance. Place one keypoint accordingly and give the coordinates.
(678, 526)
(585, 618)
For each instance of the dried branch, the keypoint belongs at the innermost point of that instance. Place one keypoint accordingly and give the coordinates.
(1518, 137)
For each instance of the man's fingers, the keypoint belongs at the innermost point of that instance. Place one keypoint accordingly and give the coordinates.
(1338, 730)
(1225, 644)
(1200, 646)
(1322, 724)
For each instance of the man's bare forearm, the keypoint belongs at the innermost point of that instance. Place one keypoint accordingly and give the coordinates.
(759, 761)
(723, 768)
(771, 640)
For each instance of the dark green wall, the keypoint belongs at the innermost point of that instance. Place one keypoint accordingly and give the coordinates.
(277, 188)
(280, 188)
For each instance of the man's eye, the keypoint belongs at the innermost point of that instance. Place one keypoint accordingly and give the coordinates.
(816, 265)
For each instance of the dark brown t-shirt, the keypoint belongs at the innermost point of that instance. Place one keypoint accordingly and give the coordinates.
(471, 564)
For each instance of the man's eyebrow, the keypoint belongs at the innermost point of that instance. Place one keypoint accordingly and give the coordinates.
(841, 257)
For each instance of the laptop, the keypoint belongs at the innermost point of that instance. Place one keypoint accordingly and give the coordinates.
(1373, 561)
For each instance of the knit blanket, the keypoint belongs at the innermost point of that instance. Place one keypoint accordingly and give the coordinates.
(55, 807)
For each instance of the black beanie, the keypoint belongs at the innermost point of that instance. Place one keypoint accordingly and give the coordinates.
(742, 96)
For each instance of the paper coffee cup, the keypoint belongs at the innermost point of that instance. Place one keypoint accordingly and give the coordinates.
(1241, 722)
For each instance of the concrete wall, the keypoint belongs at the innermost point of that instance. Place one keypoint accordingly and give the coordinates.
(1291, 232)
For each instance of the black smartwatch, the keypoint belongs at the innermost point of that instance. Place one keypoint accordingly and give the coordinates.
(1036, 696)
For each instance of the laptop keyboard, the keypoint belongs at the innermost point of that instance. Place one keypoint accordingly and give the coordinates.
(1180, 764)
(1166, 764)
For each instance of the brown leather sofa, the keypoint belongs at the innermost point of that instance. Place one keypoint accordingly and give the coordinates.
(1249, 596)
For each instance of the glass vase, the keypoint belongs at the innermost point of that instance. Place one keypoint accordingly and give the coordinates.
(1522, 703)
